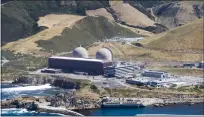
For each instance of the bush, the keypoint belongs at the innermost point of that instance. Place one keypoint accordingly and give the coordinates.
(93, 87)
(138, 44)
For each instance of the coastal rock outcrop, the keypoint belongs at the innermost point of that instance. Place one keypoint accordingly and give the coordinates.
(66, 99)
(69, 99)
(29, 104)
(57, 81)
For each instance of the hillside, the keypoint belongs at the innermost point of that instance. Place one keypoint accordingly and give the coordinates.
(170, 13)
(19, 18)
(103, 12)
(128, 14)
(186, 38)
(177, 13)
(64, 38)
(128, 52)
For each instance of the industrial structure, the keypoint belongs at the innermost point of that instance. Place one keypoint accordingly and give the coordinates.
(120, 70)
(201, 64)
(155, 74)
(79, 62)
(104, 54)
(190, 65)
(162, 82)
(80, 52)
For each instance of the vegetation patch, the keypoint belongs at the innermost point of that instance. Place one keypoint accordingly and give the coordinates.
(20, 64)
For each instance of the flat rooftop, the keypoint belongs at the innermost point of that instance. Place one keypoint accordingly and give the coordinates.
(79, 59)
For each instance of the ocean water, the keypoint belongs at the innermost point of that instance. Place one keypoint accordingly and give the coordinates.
(24, 112)
(11, 91)
(178, 109)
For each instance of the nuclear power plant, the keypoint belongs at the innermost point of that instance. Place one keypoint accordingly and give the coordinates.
(80, 62)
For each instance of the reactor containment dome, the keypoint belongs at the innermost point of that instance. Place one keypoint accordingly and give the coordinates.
(104, 54)
(80, 52)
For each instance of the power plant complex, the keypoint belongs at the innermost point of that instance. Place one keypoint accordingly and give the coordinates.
(80, 62)
(103, 65)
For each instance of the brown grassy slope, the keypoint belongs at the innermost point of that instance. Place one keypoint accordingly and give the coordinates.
(176, 13)
(130, 15)
(64, 36)
(127, 52)
(55, 23)
(186, 37)
(105, 13)
(100, 12)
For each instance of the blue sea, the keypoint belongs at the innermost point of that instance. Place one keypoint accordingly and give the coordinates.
(11, 91)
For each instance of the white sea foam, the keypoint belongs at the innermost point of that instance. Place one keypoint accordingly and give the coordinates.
(13, 110)
(26, 88)
(19, 111)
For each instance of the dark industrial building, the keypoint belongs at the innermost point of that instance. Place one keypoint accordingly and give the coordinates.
(71, 64)
(80, 63)
(155, 74)
(201, 64)
(190, 65)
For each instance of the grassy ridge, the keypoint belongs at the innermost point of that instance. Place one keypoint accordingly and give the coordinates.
(86, 31)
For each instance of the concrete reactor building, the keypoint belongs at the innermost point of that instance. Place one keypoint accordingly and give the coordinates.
(104, 54)
(80, 62)
(80, 52)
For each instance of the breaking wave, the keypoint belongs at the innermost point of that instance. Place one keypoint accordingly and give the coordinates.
(24, 112)
(27, 88)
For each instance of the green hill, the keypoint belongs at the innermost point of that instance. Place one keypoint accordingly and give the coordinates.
(84, 32)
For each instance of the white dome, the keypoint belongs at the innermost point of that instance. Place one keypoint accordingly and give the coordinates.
(80, 52)
(104, 54)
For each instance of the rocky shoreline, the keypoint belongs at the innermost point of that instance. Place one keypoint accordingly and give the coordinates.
(67, 100)
(66, 103)
(62, 103)
(62, 82)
